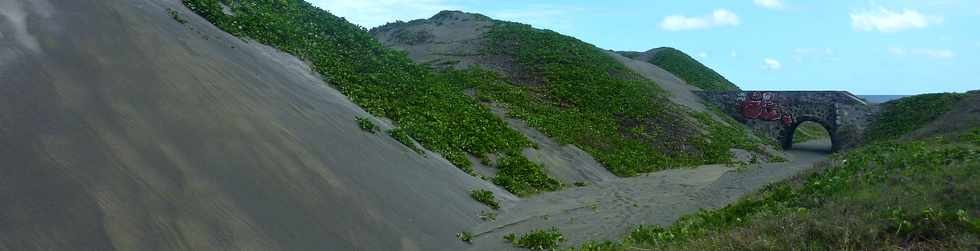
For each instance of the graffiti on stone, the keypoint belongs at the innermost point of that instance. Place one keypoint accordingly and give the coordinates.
(763, 106)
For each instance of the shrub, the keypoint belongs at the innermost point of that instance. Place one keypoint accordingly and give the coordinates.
(538, 239)
(485, 197)
(522, 177)
(366, 125)
(465, 236)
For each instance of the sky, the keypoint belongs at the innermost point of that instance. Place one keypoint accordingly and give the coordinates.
(896, 47)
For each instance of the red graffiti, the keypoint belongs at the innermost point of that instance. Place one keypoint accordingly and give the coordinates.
(762, 106)
(787, 119)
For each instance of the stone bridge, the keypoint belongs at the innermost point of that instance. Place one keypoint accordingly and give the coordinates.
(778, 113)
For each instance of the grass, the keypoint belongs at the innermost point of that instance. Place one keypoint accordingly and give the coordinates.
(921, 195)
(485, 197)
(906, 115)
(429, 107)
(691, 71)
(537, 240)
(366, 125)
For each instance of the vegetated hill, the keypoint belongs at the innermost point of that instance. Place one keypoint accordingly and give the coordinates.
(685, 67)
(901, 117)
(899, 192)
(963, 116)
(568, 89)
(136, 125)
(428, 106)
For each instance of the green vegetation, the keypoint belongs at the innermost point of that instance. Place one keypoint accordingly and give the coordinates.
(401, 136)
(577, 94)
(523, 177)
(430, 107)
(537, 240)
(886, 196)
(973, 136)
(808, 131)
(690, 70)
(465, 236)
(366, 125)
(906, 115)
(176, 16)
(724, 136)
(485, 197)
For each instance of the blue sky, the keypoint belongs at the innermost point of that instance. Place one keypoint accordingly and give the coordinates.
(866, 47)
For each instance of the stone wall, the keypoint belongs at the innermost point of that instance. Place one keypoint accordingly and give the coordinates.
(777, 113)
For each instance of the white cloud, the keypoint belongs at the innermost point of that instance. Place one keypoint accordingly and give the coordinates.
(372, 13)
(772, 64)
(770, 4)
(889, 21)
(734, 54)
(942, 54)
(702, 55)
(718, 18)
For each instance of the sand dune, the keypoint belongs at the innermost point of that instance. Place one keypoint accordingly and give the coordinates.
(121, 128)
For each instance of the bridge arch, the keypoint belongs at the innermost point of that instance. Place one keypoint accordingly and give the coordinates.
(777, 114)
(789, 134)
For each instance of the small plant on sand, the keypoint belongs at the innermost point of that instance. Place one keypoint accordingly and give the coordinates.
(176, 16)
(465, 236)
(366, 125)
(488, 216)
(538, 239)
(401, 136)
(485, 197)
(511, 237)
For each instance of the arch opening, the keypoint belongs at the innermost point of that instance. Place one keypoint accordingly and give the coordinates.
(811, 135)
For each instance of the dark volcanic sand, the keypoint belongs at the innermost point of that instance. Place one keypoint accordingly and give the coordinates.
(121, 128)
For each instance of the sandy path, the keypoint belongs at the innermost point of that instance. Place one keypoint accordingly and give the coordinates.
(608, 210)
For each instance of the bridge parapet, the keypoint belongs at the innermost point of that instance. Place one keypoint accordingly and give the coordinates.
(778, 113)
